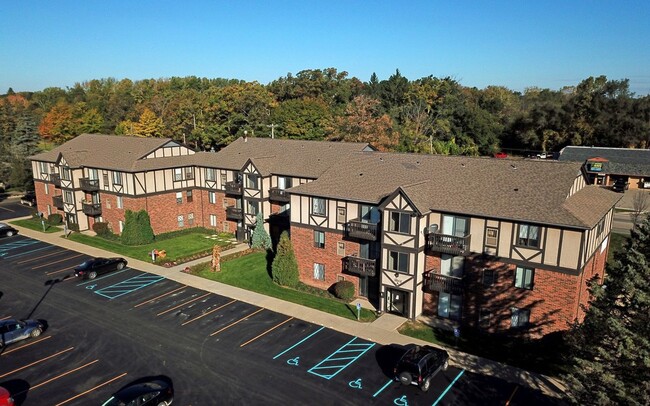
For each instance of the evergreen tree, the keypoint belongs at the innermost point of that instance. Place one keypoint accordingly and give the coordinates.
(25, 139)
(260, 239)
(137, 228)
(285, 265)
(611, 348)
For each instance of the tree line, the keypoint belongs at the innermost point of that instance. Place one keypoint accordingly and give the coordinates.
(426, 115)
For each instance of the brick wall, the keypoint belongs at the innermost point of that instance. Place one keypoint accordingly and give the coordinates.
(306, 255)
(594, 267)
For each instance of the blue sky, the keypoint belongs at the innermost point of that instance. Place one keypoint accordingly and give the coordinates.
(517, 44)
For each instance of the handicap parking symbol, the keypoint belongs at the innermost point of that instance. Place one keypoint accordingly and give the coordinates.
(91, 287)
(401, 401)
(293, 361)
(355, 384)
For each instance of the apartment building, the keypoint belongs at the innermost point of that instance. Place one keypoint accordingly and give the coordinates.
(490, 243)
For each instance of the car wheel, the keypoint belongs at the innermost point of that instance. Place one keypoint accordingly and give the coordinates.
(162, 404)
(445, 365)
(35, 333)
(405, 378)
(120, 266)
(10, 233)
(426, 385)
(92, 275)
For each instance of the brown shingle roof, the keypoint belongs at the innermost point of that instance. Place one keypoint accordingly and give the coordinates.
(529, 190)
(298, 158)
(104, 151)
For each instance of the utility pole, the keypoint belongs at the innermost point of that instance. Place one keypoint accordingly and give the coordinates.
(273, 126)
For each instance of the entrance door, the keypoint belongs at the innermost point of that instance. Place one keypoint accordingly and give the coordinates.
(363, 286)
(397, 302)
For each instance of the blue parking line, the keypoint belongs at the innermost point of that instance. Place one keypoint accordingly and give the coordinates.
(448, 387)
(129, 285)
(382, 388)
(335, 363)
(299, 342)
(104, 277)
(16, 244)
(28, 252)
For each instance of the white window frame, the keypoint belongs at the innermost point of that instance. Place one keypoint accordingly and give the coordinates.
(212, 197)
(318, 206)
(118, 202)
(398, 221)
(117, 178)
(213, 220)
(395, 260)
(319, 239)
(524, 278)
(178, 174)
(181, 220)
(179, 197)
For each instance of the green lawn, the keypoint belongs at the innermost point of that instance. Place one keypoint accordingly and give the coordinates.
(35, 224)
(250, 272)
(182, 246)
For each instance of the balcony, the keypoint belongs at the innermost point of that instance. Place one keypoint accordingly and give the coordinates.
(91, 209)
(360, 266)
(55, 178)
(89, 185)
(359, 229)
(233, 188)
(279, 195)
(57, 201)
(435, 282)
(448, 244)
(234, 213)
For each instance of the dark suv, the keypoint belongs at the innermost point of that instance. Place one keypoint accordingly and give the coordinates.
(420, 364)
(620, 185)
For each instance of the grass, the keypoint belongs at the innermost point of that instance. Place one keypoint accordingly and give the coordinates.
(36, 225)
(182, 246)
(250, 272)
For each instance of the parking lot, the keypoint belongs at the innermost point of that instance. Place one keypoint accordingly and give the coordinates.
(129, 324)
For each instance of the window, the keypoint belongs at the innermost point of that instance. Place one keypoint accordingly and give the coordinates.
(47, 189)
(210, 174)
(117, 178)
(528, 235)
(524, 277)
(190, 219)
(252, 181)
(213, 220)
(65, 173)
(491, 236)
(398, 261)
(340, 248)
(318, 206)
(488, 277)
(452, 265)
(68, 197)
(189, 196)
(181, 221)
(319, 239)
(284, 182)
(340, 278)
(178, 174)
(119, 202)
(252, 207)
(179, 197)
(212, 197)
(449, 306)
(93, 174)
(340, 215)
(484, 318)
(224, 179)
(121, 225)
(400, 222)
(105, 177)
(43, 166)
(519, 317)
(189, 172)
(319, 271)
(599, 230)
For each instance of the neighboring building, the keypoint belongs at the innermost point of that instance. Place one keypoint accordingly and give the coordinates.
(491, 243)
(603, 166)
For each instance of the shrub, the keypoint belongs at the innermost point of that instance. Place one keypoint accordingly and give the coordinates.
(285, 265)
(73, 227)
(344, 290)
(137, 228)
(102, 229)
(55, 219)
(260, 238)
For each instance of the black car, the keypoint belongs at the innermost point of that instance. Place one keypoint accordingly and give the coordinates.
(155, 392)
(29, 199)
(97, 266)
(620, 185)
(420, 364)
(6, 230)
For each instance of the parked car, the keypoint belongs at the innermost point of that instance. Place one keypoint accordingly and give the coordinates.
(500, 155)
(12, 330)
(28, 199)
(420, 364)
(620, 185)
(5, 397)
(6, 230)
(97, 266)
(156, 392)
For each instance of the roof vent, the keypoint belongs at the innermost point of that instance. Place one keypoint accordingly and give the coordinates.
(516, 189)
(462, 164)
(417, 162)
(513, 166)
(361, 174)
(381, 158)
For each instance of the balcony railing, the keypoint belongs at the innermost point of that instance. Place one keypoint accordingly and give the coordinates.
(234, 213)
(279, 195)
(359, 229)
(360, 266)
(233, 188)
(448, 244)
(436, 282)
(89, 185)
(91, 209)
(57, 201)
(55, 178)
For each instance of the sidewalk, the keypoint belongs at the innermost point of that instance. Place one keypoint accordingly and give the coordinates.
(382, 331)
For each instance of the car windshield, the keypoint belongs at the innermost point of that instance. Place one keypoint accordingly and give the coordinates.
(3, 225)
(113, 401)
(84, 265)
